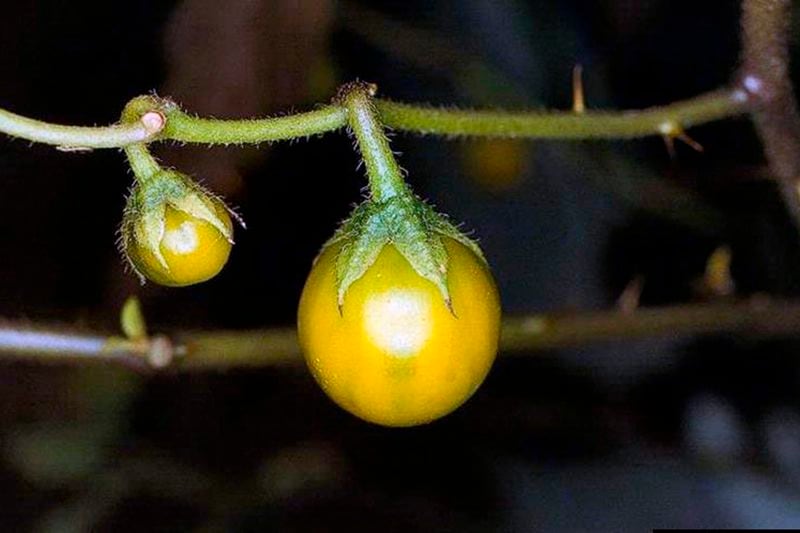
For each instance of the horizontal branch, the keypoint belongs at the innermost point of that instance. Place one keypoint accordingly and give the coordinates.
(26, 342)
(278, 347)
(758, 318)
(187, 128)
(149, 118)
(664, 120)
(79, 137)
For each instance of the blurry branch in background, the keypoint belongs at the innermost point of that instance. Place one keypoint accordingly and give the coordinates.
(277, 347)
(764, 75)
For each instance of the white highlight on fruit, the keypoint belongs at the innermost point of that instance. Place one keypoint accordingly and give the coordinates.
(398, 322)
(183, 239)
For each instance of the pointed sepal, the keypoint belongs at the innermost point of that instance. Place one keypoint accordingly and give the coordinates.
(404, 221)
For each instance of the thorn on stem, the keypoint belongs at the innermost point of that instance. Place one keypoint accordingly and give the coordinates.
(628, 301)
(670, 131)
(717, 278)
(669, 142)
(694, 145)
(578, 101)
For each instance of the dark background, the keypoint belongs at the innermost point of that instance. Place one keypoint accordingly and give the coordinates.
(622, 437)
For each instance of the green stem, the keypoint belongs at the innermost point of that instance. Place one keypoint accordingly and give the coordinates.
(142, 163)
(385, 178)
(183, 127)
(563, 125)
(186, 128)
(74, 137)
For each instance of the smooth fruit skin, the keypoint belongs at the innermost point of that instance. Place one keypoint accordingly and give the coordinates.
(396, 355)
(194, 250)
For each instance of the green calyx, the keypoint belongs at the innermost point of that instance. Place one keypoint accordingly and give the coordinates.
(392, 215)
(404, 221)
(155, 189)
(143, 222)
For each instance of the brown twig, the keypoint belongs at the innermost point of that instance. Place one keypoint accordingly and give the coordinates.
(765, 78)
(765, 82)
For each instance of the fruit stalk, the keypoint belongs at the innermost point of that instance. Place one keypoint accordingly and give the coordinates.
(384, 174)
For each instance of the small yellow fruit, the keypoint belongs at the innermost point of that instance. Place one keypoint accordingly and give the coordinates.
(174, 232)
(193, 250)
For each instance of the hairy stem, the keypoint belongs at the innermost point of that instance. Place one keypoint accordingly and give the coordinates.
(149, 118)
(186, 128)
(78, 137)
(562, 125)
(142, 163)
(385, 177)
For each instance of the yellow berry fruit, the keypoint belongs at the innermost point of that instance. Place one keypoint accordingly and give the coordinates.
(193, 250)
(174, 232)
(395, 354)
